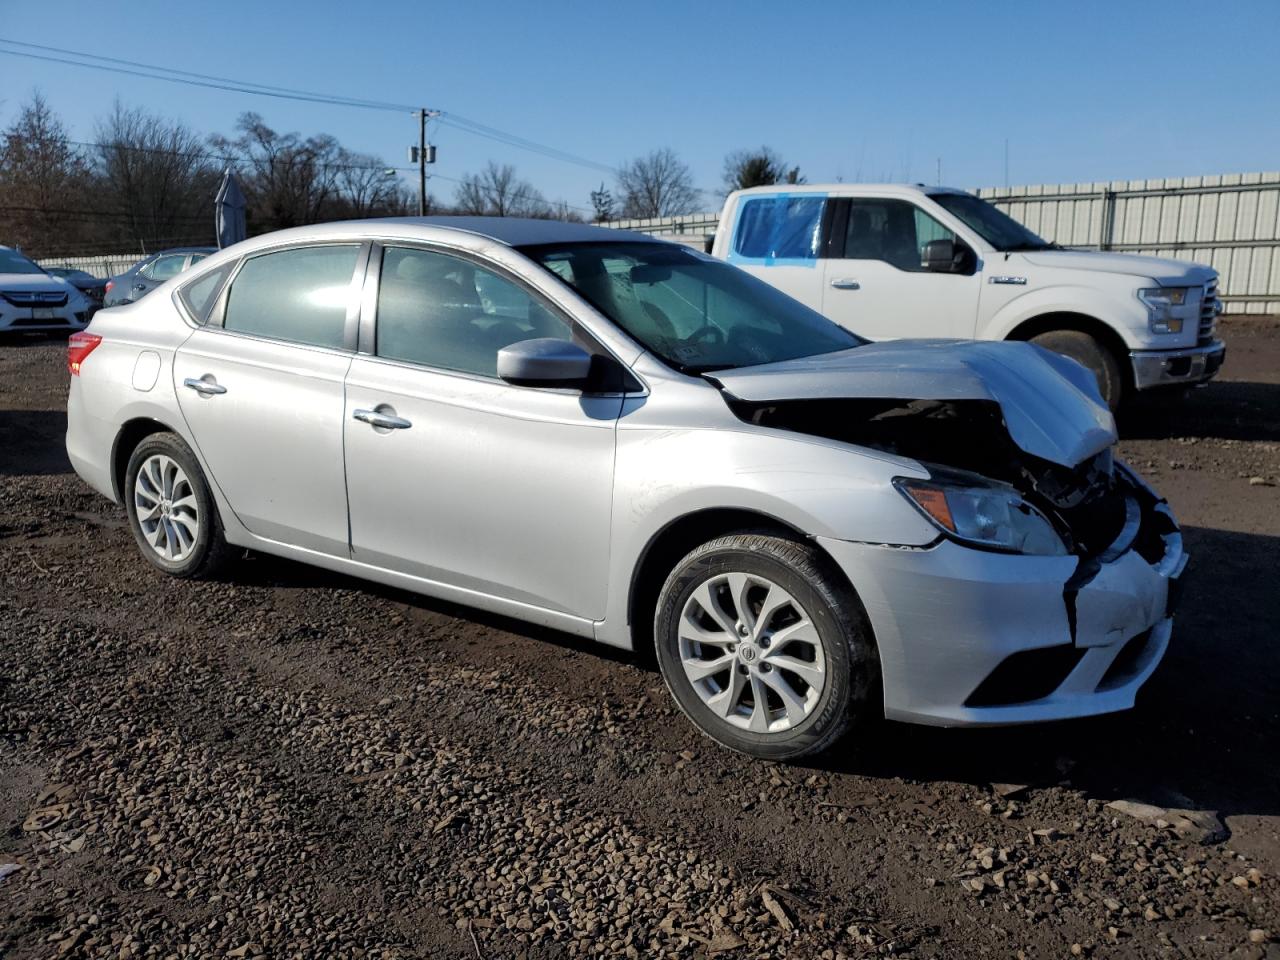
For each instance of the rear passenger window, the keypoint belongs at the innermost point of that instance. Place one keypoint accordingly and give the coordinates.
(300, 295)
(199, 295)
(779, 228)
(446, 312)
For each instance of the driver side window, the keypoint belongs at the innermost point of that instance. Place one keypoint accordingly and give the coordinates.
(444, 311)
(894, 231)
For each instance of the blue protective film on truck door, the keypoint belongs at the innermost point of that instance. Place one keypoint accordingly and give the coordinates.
(779, 229)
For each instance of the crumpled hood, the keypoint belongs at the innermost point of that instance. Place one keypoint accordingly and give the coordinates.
(1167, 273)
(1051, 404)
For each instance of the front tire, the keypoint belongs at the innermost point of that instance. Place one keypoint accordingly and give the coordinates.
(171, 511)
(1089, 352)
(765, 647)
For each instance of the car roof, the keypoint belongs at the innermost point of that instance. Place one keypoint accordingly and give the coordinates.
(851, 189)
(509, 231)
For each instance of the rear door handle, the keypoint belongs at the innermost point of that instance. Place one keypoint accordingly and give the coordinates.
(206, 388)
(384, 421)
(846, 284)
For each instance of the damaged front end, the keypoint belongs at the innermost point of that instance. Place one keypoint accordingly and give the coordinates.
(966, 441)
(1014, 631)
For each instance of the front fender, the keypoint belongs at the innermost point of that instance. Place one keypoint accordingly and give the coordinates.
(818, 487)
(1123, 314)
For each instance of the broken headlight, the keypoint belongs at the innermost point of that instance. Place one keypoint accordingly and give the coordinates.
(993, 517)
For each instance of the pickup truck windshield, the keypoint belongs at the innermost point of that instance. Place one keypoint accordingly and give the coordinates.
(11, 261)
(693, 312)
(993, 225)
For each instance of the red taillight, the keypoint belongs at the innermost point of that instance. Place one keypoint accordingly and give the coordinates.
(107, 288)
(79, 346)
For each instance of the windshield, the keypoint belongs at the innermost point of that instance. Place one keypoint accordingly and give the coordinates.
(992, 224)
(694, 312)
(11, 261)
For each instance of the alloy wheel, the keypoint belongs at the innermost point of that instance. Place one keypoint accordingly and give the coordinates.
(751, 652)
(166, 506)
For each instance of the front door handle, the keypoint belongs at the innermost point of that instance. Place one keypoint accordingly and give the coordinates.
(384, 421)
(846, 284)
(206, 388)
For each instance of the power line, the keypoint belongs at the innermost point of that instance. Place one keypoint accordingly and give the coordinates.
(151, 72)
(352, 101)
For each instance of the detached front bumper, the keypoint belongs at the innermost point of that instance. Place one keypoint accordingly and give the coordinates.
(968, 637)
(1158, 368)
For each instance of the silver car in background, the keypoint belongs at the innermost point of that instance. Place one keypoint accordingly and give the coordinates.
(626, 440)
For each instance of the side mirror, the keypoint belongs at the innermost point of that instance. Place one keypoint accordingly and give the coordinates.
(939, 256)
(544, 362)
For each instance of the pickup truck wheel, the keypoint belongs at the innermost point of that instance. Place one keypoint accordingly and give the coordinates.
(765, 647)
(1085, 349)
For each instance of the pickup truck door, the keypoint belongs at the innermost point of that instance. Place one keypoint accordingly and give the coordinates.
(873, 283)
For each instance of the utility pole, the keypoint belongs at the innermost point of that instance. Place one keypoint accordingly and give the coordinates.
(423, 155)
(422, 162)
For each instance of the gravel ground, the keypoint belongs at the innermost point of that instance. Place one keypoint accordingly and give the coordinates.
(288, 763)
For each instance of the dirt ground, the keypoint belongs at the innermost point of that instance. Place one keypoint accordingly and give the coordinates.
(290, 763)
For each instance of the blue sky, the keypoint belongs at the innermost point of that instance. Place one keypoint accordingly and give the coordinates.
(854, 90)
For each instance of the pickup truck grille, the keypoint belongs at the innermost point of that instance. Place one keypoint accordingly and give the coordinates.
(1209, 308)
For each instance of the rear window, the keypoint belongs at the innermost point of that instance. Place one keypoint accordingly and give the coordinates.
(200, 294)
(779, 228)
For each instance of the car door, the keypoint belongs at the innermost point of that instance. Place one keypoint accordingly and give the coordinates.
(261, 387)
(455, 476)
(874, 283)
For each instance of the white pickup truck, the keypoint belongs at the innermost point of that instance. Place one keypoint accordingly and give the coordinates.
(892, 260)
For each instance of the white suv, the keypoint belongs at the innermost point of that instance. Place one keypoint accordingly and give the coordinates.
(892, 260)
(32, 300)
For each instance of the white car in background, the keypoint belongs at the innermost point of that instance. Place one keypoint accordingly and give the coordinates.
(32, 300)
(896, 260)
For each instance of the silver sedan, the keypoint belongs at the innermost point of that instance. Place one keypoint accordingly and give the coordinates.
(626, 440)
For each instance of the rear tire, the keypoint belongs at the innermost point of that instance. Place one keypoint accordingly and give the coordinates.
(1085, 349)
(171, 511)
(765, 647)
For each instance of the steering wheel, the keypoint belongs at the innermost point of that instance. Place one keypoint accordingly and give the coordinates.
(708, 331)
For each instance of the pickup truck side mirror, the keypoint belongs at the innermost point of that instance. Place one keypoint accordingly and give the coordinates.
(544, 362)
(939, 256)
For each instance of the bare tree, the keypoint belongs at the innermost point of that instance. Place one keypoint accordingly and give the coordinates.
(498, 192)
(289, 180)
(156, 180)
(44, 183)
(366, 187)
(757, 168)
(657, 185)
